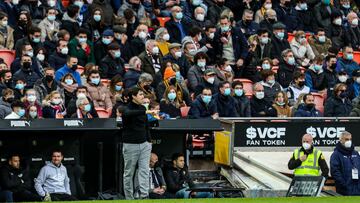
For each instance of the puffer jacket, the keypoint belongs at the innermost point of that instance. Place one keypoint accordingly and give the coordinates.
(319, 48)
(100, 95)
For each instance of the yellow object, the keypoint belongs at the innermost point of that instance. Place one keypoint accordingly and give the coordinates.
(164, 47)
(309, 167)
(222, 148)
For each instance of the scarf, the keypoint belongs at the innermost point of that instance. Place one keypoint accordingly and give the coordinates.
(80, 115)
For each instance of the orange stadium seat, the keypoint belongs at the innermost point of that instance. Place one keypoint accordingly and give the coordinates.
(80, 69)
(105, 82)
(319, 101)
(102, 113)
(184, 111)
(7, 55)
(247, 86)
(163, 20)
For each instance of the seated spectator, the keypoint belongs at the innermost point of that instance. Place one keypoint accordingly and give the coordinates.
(49, 25)
(262, 47)
(33, 38)
(26, 72)
(305, 16)
(82, 48)
(339, 105)
(307, 109)
(151, 58)
(81, 92)
(176, 56)
(196, 72)
(69, 84)
(144, 83)
(5, 80)
(22, 27)
(101, 46)
(83, 109)
(41, 60)
(112, 64)
(260, 14)
(224, 71)
(5, 102)
(265, 64)
(200, 16)
(6, 33)
(204, 106)
(209, 81)
(347, 61)
(242, 102)
(271, 87)
(279, 43)
(131, 77)
(26, 49)
(15, 178)
(280, 107)
(354, 85)
(32, 113)
(179, 181)
(69, 20)
(54, 189)
(315, 76)
(195, 36)
(225, 103)
(335, 31)
(53, 106)
(259, 107)
(215, 10)
(330, 71)
(96, 25)
(301, 49)
(320, 43)
(122, 39)
(297, 87)
(162, 37)
(269, 20)
(58, 58)
(287, 67)
(137, 44)
(98, 92)
(30, 99)
(116, 89)
(247, 24)
(286, 14)
(47, 84)
(322, 12)
(135, 5)
(18, 110)
(19, 88)
(177, 27)
(70, 67)
(171, 103)
(87, 69)
(353, 31)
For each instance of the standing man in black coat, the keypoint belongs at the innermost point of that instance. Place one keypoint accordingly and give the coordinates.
(177, 28)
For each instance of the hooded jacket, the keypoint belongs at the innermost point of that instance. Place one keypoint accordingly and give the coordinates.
(52, 179)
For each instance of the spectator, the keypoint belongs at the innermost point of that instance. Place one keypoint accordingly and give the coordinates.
(280, 107)
(200, 17)
(26, 50)
(6, 33)
(18, 110)
(269, 20)
(53, 106)
(344, 7)
(69, 84)
(11, 10)
(151, 58)
(262, 47)
(26, 73)
(322, 13)
(137, 146)
(82, 48)
(353, 31)
(23, 26)
(177, 56)
(315, 76)
(96, 25)
(19, 88)
(242, 102)
(208, 80)
(335, 31)
(45, 85)
(225, 103)
(136, 7)
(122, 39)
(286, 68)
(247, 24)
(81, 92)
(5, 80)
(286, 14)
(70, 67)
(101, 46)
(330, 72)
(179, 180)
(137, 44)
(347, 61)
(297, 87)
(162, 37)
(223, 70)
(83, 109)
(320, 43)
(98, 92)
(279, 42)
(31, 113)
(171, 103)
(308, 160)
(107, 16)
(69, 22)
(5, 102)
(259, 107)
(49, 25)
(33, 38)
(204, 106)
(344, 170)
(54, 189)
(259, 15)
(177, 27)
(14, 178)
(195, 37)
(215, 10)
(112, 64)
(305, 16)
(144, 83)
(41, 60)
(271, 87)
(131, 77)
(339, 104)
(354, 85)
(31, 100)
(116, 89)
(196, 72)
(58, 58)
(302, 50)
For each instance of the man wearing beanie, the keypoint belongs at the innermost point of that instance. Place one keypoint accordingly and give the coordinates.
(112, 64)
(102, 44)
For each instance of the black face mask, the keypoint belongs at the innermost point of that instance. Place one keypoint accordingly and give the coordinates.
(271, 20)
(343, 95)
(22, 23)
(301, 83)
(287, 3)
(172, 81)
(333, 66)
(74, 67)
(10, 100)
(49, 78)
(310, 106)
(147, 87)
(135, 6)
(247, 22)
(8, 83)
(26, 65)
(221, 4)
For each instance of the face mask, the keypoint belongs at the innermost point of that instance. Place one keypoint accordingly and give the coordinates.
(333, 66)
(79, 3)
(291, 61)
(117, 54)
(97, 18)
(33, 114)
(306, 146)
(355, 22)
(268, 6)
(271, 82)
(106, 41)
(56, 101)
(303, 6)
(31, 98)
(26, 65)
(264, 40)
(166, 37)
(74, 67)
(118, 88)
(265, 66)
(225, 28)
(40, 57)
(358, 80)
(211, 35)
(343, 95)
(196, 2)
(81, 95)
(178, 76)
(302, 40)
(326, 2)
(82, 40)
(201, 64)
(211, 80)
(95, 81)
(272, 20)
(301, 83)
(239, 92)
(142, 35)
(200, 17)
(10, 100)
(49, 78)
(310, 106)
(349, 57)
(348, 144)
(179, 15)
(338, 21)
(227, 91)
(51, 17)
(178, 54)
(36, 39)
(322, 39)
(15, 2)
(199, 37)
(4, 23)
(317, 68)
(64, 51)
(171, 96)
(280, 103)
(69, 81)
(346, 6)
(260, 95)
(21, 112)
(280, 35)
(342, 78)
(51, 3)
(155, 50)
(228, 69)
(87, 107)
(19, 86)
(206, 99)
(30, 53)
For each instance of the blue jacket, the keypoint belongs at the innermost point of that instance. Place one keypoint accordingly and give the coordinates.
(304, 111)
(199, 109)
(335, 107)
(348, 66)
(342, 162)
(226, 105)
(65, 70)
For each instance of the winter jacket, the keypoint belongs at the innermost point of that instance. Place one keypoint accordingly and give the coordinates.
(71, 108)
(109, 67)
(5, 108)
(348, 65)
(50, 112)
(57, 60)
(100, 50)
(131, 78)
(214, 12)
(21, 42)
(30, 77)
(270, 91)
(342, 162)
(199, 109)
(294, 92)
(47, 32)
(243, 106)
(174, 30)
(100, 95)
(285, 74)
(70, 25)
(182, 62)
(335, 107)
(305, 20)
(137, 46)
(304, 111)
(170, 109)
(136, 127)
(318, 47)
(287, 15)
(52, 179)
(315, 80)
(322, 15)
(65, 70)
(248, 30)
(301, 52)
(42, 90)
(194, 76)
(178, 179)
(148, 65)
(8, 41)
(226, 105)
(337, 35)
(83, 57)
(139, 13)
(352, 37)
(278, 46)
(15, 180)
(107, 9)
(258, 106)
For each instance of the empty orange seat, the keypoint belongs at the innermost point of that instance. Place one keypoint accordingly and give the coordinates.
(319, 101)
(105, 82)
(8, 56)
(80, 69)
(163, 20)
(102, 113)
(184, 111)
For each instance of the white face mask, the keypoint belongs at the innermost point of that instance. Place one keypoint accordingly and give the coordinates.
(166, 37)
(40, 57)
(178, 54)
(342, 78)
(228, 68)
(212, 35)
(355, 22)
(358, 80)
(338, 21)
(142, 35)
(81, 95)
(306, 146)
(65, 50)
(260, 95)
(348, 144)
(200, 17)
(31, 98)
(155, 50)
(268, 6)
(211, 80)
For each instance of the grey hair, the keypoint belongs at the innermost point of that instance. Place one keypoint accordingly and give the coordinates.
(81, 101)
(133, 61)
(147, 43)
(285, 52)
(255, 85)
(343, 134)
(159, 32)
(145, 77)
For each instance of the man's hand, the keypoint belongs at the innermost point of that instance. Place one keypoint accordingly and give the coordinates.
(208, 46)
(303, 158)
(275, 62)
(153, 112)
(215, 116)
(158, 190)
(124, 39)
(83, 46)
(224, 40)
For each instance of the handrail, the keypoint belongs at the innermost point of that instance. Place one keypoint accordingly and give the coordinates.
(289, 118)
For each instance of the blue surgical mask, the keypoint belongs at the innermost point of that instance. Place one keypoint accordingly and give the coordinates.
(317, 68)
(227, 91)
(117, 54)
(19, 86)
(106, 41)
(206, 99)
(82, 40)
(87, 107)
(95, 81)
(33, 114)
(179, 15)
(69, 81)
(79, 3)
(36, 39)
(97, 18)
(178, 75)
(349, 57)
(51, 17)
(171, 96)
(201, 64)
(265, 66)
(280, 35)
(239, 92)
(291, 61)
(21, 112)
(118, 87)
(225, 28)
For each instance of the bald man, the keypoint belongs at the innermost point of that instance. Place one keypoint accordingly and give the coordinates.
(307, 161)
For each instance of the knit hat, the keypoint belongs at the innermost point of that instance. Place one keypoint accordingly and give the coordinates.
(108, 32)
(169, 72)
